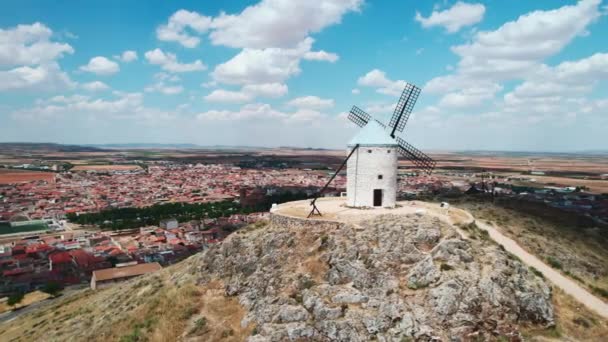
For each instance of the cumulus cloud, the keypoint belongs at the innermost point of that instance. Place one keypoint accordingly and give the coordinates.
(460, 15)
(311, 102)
(95, 86)
(278, 23)
(226, 96)
(101, 66)
(377, 79)
(266, 89)
(127, 56)
(29, 56)
(262, 111)
(255, 66)
(30, 45)
(321, 56)
(163, 88)
(43, 77)
(176, 30)
(274, 36)
(514, 51)
(123, 106)
(168, 62)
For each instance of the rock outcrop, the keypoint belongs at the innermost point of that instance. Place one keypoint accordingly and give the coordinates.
(392, 278)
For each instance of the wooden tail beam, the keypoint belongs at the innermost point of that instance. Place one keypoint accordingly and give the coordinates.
(314, 200)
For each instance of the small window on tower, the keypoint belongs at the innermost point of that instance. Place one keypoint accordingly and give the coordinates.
(379, 176)
(369, 151)
(388, 151)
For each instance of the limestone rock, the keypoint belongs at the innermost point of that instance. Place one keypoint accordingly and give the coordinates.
(392, 278)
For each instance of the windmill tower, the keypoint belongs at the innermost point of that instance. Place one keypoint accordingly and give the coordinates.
(373, 156)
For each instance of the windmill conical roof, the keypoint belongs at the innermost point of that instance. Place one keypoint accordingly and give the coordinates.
(372, 134)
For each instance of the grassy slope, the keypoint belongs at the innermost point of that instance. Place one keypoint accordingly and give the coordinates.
(580, 253)
(163, 306)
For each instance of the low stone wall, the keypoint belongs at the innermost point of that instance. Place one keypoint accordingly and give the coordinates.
(302, 223)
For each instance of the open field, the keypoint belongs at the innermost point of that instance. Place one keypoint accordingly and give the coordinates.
(105, 167)
(16, 176)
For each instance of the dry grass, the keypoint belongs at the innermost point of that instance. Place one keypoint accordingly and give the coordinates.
(573, 322)
(28, 299)
(164, 306)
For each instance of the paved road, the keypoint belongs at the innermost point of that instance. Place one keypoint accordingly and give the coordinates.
(566, 284)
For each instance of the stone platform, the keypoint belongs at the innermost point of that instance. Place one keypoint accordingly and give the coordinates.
(335, 209)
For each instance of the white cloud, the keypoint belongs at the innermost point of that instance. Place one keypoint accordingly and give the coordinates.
(515, 47)
(355, 91)
(278, 23)
(321, 56)
(127, 56)
(95, 86)
(311, 102)
(124, 106)
(163, 76)
(261, 111)
(101, 66)
(565, 81)
(226, 96)
(30, 45)
(168, 62)
(460, 15)
(469, 96)
(163, 88)
(255, 66)
(377, 79)
(247, 112)
(514, 51)
(43, 77)
(176, 29)
(273, 90)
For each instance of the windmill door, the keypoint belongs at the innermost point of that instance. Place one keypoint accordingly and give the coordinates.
(377, 197)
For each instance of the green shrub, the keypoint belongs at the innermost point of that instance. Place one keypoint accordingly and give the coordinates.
(554, 263)
(200, 326)
(537, 272)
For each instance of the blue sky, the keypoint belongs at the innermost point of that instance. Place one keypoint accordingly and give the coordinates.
(496, 75)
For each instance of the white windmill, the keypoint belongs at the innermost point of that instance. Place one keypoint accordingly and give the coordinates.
(373, 154)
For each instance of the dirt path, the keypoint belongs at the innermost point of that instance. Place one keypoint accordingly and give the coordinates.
(567, 285)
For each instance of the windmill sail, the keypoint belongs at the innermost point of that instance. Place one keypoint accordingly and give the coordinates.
(419, 159)
(358, 116)
(404, 108)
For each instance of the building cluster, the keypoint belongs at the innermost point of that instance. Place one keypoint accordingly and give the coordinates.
(71, 257)
(87, 191)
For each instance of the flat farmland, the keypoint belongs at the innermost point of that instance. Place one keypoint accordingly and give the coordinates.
(15, 176)
(105, 167)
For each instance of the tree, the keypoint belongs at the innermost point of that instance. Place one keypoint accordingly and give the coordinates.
(15, 299)
(53, 288)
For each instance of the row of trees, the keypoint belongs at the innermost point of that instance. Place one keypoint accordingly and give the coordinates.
(128, 218)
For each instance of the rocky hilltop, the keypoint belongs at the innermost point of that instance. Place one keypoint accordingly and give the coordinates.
(391, 278)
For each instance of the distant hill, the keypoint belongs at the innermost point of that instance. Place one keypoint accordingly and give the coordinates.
(53, 147)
